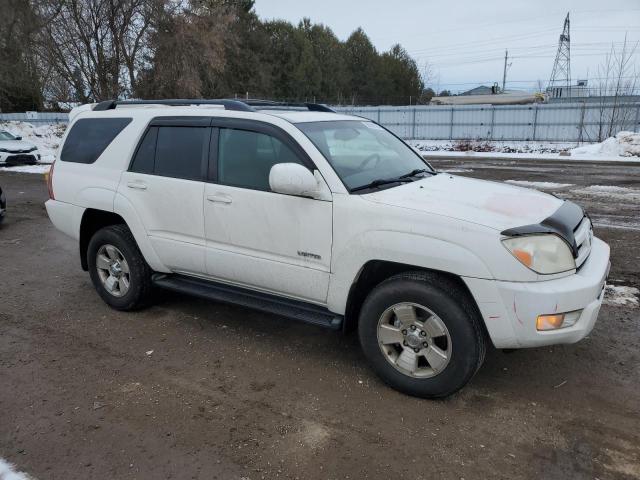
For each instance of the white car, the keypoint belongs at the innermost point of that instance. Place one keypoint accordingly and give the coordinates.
(15, 151)
(325, 218)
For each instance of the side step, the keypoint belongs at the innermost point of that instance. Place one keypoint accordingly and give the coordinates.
(219, 292)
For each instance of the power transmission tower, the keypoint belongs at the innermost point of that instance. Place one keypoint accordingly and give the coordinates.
(561, 73)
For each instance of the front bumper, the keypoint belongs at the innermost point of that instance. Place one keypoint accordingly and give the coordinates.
(510, 309)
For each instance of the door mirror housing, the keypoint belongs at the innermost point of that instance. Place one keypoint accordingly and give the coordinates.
(18, 138)
(293, 179)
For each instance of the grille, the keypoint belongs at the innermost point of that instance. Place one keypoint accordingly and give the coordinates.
(583, 234)
(18, 159)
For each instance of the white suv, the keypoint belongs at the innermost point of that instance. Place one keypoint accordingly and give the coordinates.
(325, 218)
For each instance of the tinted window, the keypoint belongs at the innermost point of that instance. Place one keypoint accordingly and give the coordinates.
(89, 137)
(145, 156)
(245, 158)
(180, 152)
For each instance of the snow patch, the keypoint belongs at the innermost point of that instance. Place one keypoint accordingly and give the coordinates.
(621, 296)
(610, 191)
(495, 146)
(41, 168)
(456, 170)
(8, 472)
(542, 185)
(46, 137)
(624, 144)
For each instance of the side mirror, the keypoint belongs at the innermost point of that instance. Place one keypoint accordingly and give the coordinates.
(293, 179)
(18, 138)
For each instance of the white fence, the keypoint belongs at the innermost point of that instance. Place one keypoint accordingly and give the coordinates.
(35, 117)
(563, 122)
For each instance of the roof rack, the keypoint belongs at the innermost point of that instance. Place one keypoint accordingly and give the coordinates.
(270, 104)
(237, 105)
(227, 104)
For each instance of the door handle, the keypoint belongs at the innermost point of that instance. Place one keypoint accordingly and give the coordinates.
(137, 185)
(219, 198)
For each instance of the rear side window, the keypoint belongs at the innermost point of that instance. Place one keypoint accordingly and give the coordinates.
(180, 152)
(89, 137)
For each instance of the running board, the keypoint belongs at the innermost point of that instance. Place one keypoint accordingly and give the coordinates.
(219, 292)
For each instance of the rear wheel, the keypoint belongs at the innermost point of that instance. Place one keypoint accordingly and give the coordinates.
(421, 334)
(117, 268)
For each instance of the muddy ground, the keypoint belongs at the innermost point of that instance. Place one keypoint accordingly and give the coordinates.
(192, 389)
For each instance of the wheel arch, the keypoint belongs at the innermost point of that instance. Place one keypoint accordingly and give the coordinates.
(92, 221)
(375, 272)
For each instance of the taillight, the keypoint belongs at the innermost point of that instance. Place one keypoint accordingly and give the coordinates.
(50, 182)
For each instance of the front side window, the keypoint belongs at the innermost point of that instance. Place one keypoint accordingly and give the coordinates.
(362, 152)
(245, 158)
(180, 152)
(90, 137)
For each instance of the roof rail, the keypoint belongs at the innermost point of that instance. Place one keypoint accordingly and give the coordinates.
(270, 104)
(227, 104)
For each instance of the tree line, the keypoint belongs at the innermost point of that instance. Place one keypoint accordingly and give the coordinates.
(57, 52)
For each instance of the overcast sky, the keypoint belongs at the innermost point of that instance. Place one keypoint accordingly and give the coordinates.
(464, 40)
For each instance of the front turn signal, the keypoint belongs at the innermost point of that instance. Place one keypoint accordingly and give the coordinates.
(549, 322)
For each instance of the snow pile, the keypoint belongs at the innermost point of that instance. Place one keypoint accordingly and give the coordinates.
(542, 185)
(7, 472)
(495, 146)
(620, 296)
(46, 137)
(624, 144)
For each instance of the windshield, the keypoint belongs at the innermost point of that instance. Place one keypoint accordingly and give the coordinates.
(6, 135)
(362, 152)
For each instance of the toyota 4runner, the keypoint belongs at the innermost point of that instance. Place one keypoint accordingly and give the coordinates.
(328, 219)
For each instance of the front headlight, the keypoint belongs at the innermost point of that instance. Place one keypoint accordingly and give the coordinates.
(544, 254)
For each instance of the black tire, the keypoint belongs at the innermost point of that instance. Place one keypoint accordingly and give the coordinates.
(140, 287)
(456, 310)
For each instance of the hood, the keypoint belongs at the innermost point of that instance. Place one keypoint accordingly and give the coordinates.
(492, 204)
(15, 145)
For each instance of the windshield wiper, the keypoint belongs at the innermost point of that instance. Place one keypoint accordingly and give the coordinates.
(381, 181)
(415, 172)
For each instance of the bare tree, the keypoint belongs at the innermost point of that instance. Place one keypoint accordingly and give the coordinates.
(618, 79)
(92, 49)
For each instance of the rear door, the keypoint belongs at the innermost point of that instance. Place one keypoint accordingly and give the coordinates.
(255, 237)
(165, 185)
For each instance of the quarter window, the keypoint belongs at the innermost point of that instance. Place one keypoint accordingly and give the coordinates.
(89, 137)
(245, 158)
(145, 156)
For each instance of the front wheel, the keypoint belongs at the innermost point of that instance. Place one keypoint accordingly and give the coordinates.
(117, 268)
(421, 334)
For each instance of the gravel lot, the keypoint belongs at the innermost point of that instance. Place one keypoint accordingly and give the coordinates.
(191, 389)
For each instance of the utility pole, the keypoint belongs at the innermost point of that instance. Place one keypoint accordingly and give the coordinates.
(504, 74)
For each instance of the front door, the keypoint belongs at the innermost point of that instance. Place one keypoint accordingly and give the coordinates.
(255, 237)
